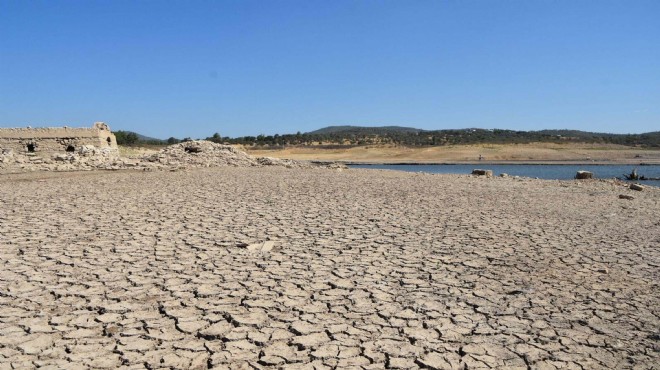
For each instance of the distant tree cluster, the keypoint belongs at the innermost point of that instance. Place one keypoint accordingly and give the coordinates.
(129, 138)
(126, 137)
(347, 136)
(367, 136)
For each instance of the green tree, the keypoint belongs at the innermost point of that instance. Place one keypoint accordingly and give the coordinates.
(216, 138)
(126, 137)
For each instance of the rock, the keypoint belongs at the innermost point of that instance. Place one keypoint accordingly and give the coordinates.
(582, 175)
(504, 175)
(479, 172)
(87, 150)
(637, 187)
(269, 161)
(254, 247)
(190, 154)
(267, 246)
(624, 196)
(334, 165)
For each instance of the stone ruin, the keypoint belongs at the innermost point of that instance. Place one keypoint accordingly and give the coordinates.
(84, 149)
(54, 140)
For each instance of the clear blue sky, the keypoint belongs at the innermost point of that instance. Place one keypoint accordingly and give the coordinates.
(192, 68)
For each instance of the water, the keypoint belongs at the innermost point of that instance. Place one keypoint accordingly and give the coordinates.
(547, 171)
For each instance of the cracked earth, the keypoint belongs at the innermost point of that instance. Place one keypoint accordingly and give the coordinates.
(318, 269)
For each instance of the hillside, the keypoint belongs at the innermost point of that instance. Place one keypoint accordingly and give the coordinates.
(365, 130)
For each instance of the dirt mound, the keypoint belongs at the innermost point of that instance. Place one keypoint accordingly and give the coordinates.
(200, 154)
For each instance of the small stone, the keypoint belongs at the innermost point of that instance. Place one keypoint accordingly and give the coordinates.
(637, 187)
(267, 246)
(479, 172)
(254, 247)
(108, 318)
(624, 196)
(582, 175)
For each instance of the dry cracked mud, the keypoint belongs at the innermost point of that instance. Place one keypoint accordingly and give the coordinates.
(319, 269)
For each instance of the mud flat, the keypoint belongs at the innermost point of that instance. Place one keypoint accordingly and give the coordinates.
(534, 153)
(317, 268)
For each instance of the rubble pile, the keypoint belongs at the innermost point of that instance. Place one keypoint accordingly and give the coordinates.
(87, 158)
(190, 154)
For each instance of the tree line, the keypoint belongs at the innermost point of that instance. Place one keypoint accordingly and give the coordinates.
(360, 136)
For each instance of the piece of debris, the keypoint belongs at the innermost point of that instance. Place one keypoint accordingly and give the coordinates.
(624, 196)
(632, 176)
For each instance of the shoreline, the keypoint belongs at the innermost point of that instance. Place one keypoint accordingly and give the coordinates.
(524, 154)
(521, 163)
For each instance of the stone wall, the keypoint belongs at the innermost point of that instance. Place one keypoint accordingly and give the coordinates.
(57, 139)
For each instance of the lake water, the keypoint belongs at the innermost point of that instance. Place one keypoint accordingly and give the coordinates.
(548, 171)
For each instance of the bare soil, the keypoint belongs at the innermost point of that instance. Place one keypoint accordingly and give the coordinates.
(514, 153)
(272, 267)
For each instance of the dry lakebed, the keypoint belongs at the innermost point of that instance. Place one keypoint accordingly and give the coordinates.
(276, 267)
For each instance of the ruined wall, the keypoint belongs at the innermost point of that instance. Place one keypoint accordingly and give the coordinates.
(57, 139)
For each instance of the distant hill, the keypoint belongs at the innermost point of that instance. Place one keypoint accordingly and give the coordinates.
(364, 130)
(147, 138)
(334, 136)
